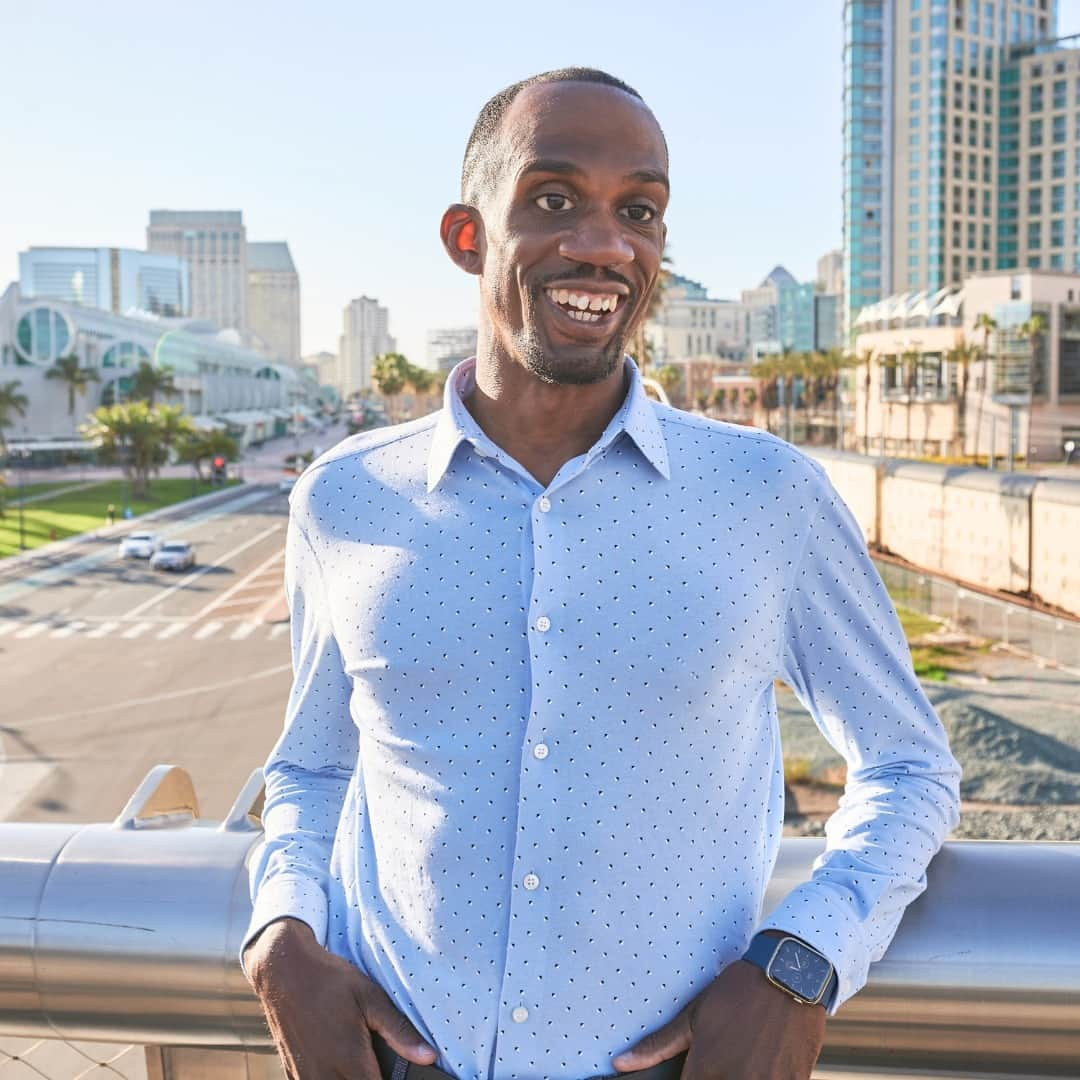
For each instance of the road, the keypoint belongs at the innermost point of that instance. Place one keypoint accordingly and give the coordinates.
(108, 668)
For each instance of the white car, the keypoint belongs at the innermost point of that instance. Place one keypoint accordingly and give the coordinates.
(287, 484)
(139, 545)
(173, 555)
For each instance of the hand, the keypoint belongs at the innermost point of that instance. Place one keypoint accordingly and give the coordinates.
(740, 1027)
(321, 1010)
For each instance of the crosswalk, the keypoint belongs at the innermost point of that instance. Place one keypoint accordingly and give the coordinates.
(131, 630)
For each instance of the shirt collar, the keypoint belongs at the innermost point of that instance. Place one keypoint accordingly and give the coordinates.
(636, 417)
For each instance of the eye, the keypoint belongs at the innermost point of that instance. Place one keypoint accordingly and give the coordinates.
(553, 202)
(639, 213)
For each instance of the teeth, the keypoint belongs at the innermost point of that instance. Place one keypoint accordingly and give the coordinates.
(595, 304)
(582, 302)
(562, 296)
(584, 305)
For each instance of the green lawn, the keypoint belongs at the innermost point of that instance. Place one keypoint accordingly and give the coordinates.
(83, 511)
(13, 492)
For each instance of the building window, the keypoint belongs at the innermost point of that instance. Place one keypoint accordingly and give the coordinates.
(1057, 262)
(1035, 167)
(1057, 232)
(1058, 135)
(1069, 358)
(1057, 199)
(1035, 99)
(1035, 133)
(1035, 200)
(1034, 234)
(1060, 94)
(1057, 168)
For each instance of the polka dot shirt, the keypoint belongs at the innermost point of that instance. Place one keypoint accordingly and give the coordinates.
(530, 779)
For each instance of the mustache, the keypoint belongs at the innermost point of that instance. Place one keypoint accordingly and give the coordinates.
(590, 275)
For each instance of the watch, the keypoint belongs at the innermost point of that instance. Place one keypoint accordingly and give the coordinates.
(794, 967)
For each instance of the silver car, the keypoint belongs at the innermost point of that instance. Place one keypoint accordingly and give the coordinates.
(139, 545)
(173, 555)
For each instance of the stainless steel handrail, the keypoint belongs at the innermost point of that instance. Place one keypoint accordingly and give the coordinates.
(129, 932)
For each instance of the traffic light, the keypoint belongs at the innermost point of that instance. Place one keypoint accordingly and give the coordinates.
(219, 469)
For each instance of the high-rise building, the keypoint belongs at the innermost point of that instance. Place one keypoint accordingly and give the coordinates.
(450, 345)
(365, 335)
(327, 368)
(214, 244)
(830, 272)
(273, 300)
(1039, 158)
(921, 113)
(112, 279)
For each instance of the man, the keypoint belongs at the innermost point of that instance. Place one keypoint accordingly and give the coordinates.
(530, 788)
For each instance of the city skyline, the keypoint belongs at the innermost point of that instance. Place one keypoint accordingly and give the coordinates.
(353, 168)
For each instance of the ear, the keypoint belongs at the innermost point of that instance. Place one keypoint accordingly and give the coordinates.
(462, 232)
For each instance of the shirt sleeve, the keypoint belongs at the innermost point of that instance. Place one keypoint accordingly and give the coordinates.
(846, 657)
(311, 765)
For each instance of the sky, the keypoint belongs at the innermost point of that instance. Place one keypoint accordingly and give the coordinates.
(339, 127)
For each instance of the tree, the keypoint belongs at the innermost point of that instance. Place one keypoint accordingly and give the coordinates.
(962, 355)
(391, 375)
(137, 437)
(77, 378)
(767, 371)
(12, 403)
(866, 358)
(147, 382)
(702, 401)
(640, 341)
(1032, 330)
(719, 396)
(910, 359)
(196, 447)
(669, 377)
(988, 325)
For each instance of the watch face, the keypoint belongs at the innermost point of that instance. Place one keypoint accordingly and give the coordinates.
(800, 969)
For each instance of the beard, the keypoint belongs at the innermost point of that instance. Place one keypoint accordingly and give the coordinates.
(568, 365)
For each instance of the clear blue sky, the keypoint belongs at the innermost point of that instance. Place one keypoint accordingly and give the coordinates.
(339, 126)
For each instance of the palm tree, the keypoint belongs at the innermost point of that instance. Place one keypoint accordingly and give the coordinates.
(1032, 330)
(147, 382)
(719, 396)
(12, 403)
(138, 437)
(669, 377)
(640, 341)
(866, 359)
(197, 447)
(988, 325)
(78, 379)
(962, 355)
(767, 372)
(910, 360)
(390, 375)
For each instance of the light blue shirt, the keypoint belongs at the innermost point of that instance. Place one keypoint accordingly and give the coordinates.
(531, 780)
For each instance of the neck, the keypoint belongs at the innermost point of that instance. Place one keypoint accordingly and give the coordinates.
(540, 425)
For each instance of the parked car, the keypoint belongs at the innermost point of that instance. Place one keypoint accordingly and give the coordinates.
(139, 545)
(173, 555)
(286, 484)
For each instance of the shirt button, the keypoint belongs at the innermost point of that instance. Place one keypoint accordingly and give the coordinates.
(540, 751)
(520, 1015)
(544, 504)
(531, 881)
(543, 624)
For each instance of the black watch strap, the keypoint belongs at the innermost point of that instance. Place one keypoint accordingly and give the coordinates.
(761, 951)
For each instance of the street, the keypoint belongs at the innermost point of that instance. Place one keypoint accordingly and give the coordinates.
(108, 667)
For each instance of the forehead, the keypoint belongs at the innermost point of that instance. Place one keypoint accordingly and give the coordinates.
(584, 123)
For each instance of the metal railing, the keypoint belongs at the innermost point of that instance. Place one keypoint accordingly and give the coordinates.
(129, 931)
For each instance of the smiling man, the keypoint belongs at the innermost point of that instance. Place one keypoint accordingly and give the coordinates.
(530, 788)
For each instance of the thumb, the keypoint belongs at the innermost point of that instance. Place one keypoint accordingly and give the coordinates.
(673, 1038)
(381, 1016)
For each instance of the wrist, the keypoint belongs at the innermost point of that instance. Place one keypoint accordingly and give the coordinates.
(283, 938)
(793, 967)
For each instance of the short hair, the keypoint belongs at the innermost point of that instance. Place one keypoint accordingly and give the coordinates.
(476, 168)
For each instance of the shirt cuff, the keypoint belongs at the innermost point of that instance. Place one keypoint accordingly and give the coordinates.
(812, 915)
(287, 897)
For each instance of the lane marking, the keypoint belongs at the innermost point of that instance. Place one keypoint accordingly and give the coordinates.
(278, 629)
(137, 630)
(173, 695)
(7, 627)
(196, 574)
(33, 630)
(242, 631)
(244, 581)
(103, 629)
(209, 630)
(172, 631)
(67, 631)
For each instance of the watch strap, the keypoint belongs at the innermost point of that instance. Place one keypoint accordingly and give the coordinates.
(762, 949)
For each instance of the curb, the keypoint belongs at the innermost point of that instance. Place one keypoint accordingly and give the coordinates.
(58, 547)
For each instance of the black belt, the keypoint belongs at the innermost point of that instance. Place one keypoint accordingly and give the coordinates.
(397, 1068)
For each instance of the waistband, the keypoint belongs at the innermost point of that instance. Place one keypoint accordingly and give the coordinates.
(397, 1068)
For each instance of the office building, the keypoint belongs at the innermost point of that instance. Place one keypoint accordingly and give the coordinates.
(327, 368)
(449, 346)
(921, 110)
(112, 279)
(214, 245)
(273, 300)
(365, 335)
(689, 325)
(830, 272)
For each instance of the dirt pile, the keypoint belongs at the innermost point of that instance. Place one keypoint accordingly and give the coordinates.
(1006, 762)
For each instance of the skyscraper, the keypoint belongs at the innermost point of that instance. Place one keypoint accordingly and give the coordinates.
(448, 346)
(214, 244)
(365, 335)
(921, 86)
(273, 300)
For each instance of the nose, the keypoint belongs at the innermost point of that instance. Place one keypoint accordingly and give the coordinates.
(598, 240)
